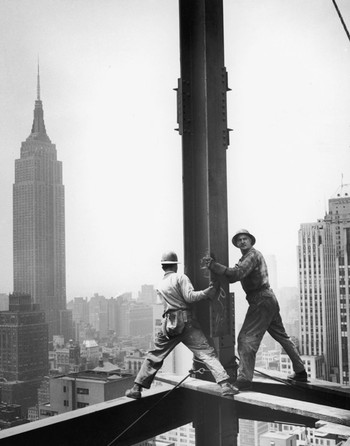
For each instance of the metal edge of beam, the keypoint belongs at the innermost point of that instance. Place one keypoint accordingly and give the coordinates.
(281, 405)
(102, 423)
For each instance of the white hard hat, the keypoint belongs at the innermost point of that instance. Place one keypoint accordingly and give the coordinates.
(169, 258)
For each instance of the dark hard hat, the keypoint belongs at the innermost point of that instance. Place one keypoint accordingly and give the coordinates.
(243, 232)
(169, 258)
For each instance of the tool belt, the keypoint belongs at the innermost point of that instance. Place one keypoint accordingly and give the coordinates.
(174, 321)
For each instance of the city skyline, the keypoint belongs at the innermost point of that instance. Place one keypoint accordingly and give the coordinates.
(107, 79)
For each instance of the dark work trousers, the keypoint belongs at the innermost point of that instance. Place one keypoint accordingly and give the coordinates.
(195, 340)
(263, 315)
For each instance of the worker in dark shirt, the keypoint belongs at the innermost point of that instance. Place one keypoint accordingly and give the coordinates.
(263, 313)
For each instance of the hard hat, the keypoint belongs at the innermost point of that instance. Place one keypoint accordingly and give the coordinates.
(243, 232)
(169, 258)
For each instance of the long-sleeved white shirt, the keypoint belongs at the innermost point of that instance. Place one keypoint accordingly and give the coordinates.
(176, 291)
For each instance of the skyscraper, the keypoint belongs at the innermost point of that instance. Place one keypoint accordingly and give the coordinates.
(324, 282)
(23, 351)
(39, 223)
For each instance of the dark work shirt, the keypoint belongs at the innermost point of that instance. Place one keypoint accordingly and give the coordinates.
(251, 271)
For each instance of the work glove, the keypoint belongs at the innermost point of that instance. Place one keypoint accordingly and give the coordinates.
(213, 291)
(213, 266)
(206, 261)
(215, 284)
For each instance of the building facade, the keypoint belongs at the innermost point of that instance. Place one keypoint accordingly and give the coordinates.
(23, 351)
(39, 223)
(324, 282)
(314, 365)
(23, 341)
(77, 390)
(147, 295)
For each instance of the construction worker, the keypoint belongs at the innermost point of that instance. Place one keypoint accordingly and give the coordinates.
(177, 293)
(263, 313)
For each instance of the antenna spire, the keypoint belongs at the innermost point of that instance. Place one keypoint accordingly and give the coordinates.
(38, 128)
(38, 84)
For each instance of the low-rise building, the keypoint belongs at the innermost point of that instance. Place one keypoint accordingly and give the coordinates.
(76, 390)
(314, 365)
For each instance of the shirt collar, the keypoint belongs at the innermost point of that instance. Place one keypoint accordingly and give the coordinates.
(168, 272)
(250, 250)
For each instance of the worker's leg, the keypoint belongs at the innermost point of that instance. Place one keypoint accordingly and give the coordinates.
(155, 358)
(255, 325)
(196, 341)
(278, 332)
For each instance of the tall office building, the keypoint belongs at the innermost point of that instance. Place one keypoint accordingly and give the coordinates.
(39, 224)
(250, 432)
(324, 282)
(24, 343)
(23, 351)
(147, 295)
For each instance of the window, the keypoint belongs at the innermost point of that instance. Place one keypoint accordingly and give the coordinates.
(82, 391)
(48, 413)
(80, 405)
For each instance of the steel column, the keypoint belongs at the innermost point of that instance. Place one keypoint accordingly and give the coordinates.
(215, 421)
(202, 119)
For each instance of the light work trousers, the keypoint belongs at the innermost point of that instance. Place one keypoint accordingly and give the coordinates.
(263, 315)
(195, 340)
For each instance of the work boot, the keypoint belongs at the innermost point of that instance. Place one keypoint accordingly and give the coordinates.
(228, 389)
(298, 376)
(243, 384)
(134, 392)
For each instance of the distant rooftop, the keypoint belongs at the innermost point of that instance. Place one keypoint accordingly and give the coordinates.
(90, 343)
(342, 191)
(106, 367)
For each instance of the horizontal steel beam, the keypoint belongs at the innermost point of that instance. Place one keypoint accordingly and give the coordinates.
(101, 424)
(124, 422)
(287, 407)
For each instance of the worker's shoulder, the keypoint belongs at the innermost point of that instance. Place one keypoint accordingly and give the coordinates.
(253, 256)
(173, 276)
(253, 252)
(183, 276)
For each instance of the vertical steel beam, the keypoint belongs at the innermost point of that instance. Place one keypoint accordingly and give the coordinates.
(215, 421)
(202, 119)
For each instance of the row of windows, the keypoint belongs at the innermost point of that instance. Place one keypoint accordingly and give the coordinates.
(80, 405)
(80, 390)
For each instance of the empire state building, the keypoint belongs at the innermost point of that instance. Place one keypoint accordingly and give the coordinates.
(39, 224)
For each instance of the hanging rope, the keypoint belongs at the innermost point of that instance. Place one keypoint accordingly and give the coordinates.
(220, 313)
(221, 295)
(200, 371)
(341, 19)
(275, 378)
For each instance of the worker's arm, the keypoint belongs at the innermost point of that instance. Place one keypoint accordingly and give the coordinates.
(190, 295)
(238, 272)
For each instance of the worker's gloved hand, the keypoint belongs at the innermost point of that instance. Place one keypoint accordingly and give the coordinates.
(213, 291)
(215, 284)
(213, 266)
(206, 261)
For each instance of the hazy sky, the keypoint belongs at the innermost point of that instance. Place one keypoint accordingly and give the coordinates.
(108, 69)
